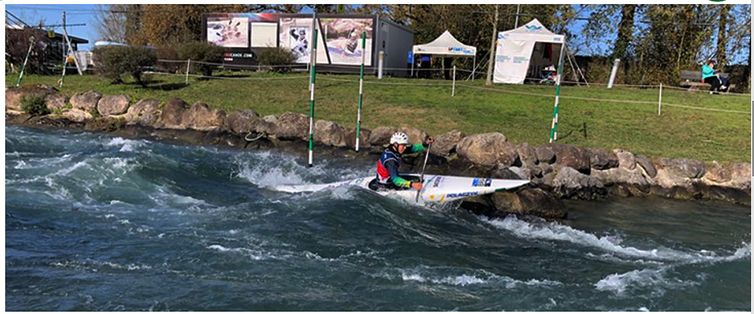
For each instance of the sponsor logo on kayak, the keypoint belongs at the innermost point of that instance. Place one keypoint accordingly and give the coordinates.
(437, 181)
(481, 182)
(464, 194)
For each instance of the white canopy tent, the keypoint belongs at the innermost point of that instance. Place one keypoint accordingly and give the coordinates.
(514, 52)
(444, 45)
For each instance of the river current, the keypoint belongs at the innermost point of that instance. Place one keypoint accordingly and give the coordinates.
(101, 223)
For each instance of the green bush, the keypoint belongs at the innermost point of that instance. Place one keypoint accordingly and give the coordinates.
(34, 105)
(202, 52)
(113, 62)
(276, 58)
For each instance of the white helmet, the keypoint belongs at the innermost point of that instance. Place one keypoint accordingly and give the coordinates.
(399, 138)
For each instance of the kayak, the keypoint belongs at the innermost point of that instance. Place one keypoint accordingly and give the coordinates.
(437, 189)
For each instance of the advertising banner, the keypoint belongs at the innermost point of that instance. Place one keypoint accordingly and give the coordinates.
(512, 59)
(343, 39)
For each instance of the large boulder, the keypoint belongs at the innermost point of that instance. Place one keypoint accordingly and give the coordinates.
(145, 112)
(381, 135)
(569, 182)
(622, 176)
(111, 105)
(740, 176)
(172, 114)
(291, 126)
(86, 101)
(14, 95)
(625, 159)
(601, 159)
(683, 168)
(77, 115)
(414, 135)
(530, 201)
(445, 144)
(545, 154)
(329, 133)
(364, 135)
(241, 122)
(572, 156)
(488, 149)
(55, 101)
(527, 154)
(645, 163)
(717, 174)
(201, 117)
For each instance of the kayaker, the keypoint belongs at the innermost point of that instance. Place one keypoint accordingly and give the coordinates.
(390, 161)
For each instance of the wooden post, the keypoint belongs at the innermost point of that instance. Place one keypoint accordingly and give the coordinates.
(453, 93)
(659, 102)
(188, 66)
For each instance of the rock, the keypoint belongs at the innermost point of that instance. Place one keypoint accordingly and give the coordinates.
(146, 112)
(86, 101)
(622, 176)
(572, 156)
(172, 113)
(113, 105)
(445, 144)
(683, 168)
(601, 159)
(488, 149)
(509, 173)
(329, 133)
(291, 126)
(530, 201)
(646, 164)
(266, 125)
(717, 173)
(740, 176)
(625, 159)
(381, 136)
(201, 117)
(545, 154)
(521, 173)
(55, 101)
(527, 154)
(414, 135)
(77, 115)
(14, 95)
(364, 134)
(241, 122)
(569, 182)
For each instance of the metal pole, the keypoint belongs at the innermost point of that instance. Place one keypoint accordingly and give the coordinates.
(554, 127)
(613, 73)
(313, 49)
(453, 93)
(70, 47)
(379, 65)
(473, 69)
(23, 67)
(312, 75)
(518, 9)
(659, 102)
(413, 60)
(361, 87)
(188, 66)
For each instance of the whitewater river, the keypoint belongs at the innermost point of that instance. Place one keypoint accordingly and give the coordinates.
(101, 223)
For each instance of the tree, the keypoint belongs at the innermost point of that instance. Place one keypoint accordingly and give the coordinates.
(722, 35)
(488, 82)
(625, 32)
(111, 22)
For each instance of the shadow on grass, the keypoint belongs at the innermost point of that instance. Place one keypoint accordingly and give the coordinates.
(166, 86)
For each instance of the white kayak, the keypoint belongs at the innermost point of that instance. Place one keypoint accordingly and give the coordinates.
(437, 189)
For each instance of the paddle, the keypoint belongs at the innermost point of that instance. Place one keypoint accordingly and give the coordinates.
(421, 179)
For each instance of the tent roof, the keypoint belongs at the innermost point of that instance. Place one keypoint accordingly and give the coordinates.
(447, 45)
(532, 31)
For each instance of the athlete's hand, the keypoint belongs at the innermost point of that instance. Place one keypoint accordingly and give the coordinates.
(428, 141)
(416, 185)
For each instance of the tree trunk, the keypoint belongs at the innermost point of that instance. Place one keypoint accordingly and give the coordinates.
(722, 36)
(625, 31)
(491, 61)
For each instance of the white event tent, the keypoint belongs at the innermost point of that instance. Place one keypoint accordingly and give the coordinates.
(444, 45)
(515, 52)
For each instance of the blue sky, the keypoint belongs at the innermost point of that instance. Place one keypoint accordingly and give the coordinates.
(85, 13)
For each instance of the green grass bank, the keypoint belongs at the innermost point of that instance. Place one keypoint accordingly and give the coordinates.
(623, 117)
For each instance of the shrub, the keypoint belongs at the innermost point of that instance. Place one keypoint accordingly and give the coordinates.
(113, 62)
(34, 105)
(168, 53)
(202, 52)
(276, 57)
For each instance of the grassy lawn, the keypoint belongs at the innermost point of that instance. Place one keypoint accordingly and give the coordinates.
(589, 116)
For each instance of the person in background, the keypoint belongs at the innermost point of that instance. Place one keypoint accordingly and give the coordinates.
(712, 77)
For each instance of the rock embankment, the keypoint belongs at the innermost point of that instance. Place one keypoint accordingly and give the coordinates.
(557, 171)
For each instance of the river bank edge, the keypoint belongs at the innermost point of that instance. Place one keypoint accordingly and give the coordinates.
(556, 171)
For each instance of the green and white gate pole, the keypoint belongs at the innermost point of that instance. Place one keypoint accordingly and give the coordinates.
(554, 127)
(23, 67)
(312, 76)
(361, 87)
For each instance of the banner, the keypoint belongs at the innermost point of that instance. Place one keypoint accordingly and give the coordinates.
(512, 59)
(230, 32)
(295, 34)
(343, 40)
